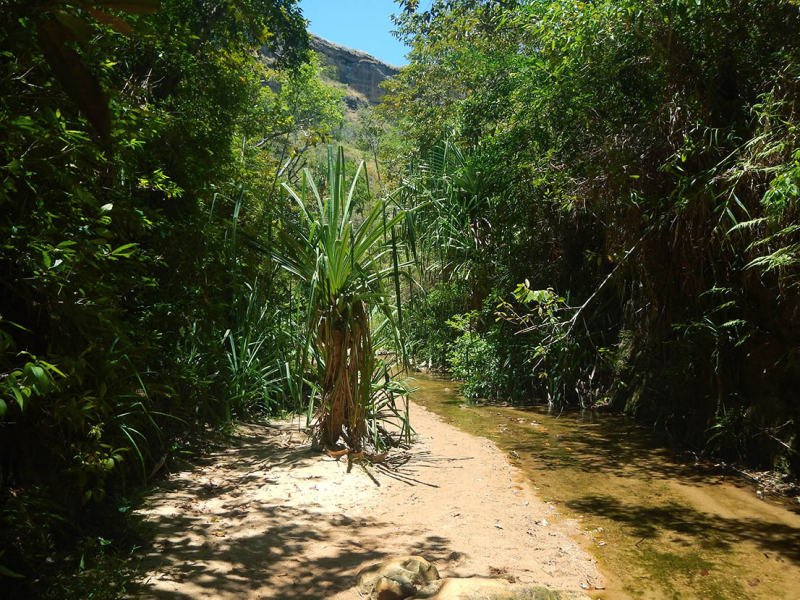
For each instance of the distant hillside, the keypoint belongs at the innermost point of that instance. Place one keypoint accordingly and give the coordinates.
(359, 71)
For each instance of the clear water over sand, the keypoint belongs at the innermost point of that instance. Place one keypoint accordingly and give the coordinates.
(661, 526)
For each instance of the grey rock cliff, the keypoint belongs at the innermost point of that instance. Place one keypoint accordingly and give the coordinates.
(359, 70)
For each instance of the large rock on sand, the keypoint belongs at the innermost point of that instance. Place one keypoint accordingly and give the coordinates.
(483, 588)
(396, 579)
(415, 578)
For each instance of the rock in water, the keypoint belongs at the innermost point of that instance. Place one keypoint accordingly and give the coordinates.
(396, 579)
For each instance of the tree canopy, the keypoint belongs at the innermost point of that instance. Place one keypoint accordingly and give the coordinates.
(636, 158)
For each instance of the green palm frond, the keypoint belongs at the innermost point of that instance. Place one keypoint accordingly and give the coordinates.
(345, 267)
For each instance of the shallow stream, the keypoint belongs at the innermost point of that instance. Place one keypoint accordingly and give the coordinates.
(661, 526)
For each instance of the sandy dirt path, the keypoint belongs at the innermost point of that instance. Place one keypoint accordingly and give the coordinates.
(266, 518)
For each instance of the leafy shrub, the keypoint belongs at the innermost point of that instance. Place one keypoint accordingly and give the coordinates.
(428, 335)
(119, 270)
(474, 360)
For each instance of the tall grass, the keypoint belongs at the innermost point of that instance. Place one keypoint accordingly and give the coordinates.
(255, 352)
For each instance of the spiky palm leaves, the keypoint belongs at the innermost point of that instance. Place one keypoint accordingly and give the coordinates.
(450, 221)
(345, 267)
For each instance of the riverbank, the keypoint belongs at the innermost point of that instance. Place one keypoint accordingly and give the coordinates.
(662, 525)
(266, 518)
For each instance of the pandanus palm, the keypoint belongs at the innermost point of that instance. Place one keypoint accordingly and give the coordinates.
(448, 191)
(345, 267)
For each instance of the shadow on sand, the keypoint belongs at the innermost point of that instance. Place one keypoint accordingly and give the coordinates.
(220, 531)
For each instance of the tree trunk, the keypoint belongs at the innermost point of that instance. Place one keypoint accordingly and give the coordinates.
(332, 411)
(347, 347)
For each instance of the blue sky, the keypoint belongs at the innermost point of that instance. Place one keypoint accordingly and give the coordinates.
(360, 24)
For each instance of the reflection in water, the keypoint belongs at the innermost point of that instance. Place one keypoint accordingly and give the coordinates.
(661, 527)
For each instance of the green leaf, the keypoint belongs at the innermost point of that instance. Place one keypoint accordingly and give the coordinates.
(3, 408)
(52, 367)
(23, 122)
(6, 572)
(126, 250)
(19, 398)
(38, 372)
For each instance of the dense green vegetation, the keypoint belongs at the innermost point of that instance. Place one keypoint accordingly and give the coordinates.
(586, 203)
(616, 185)
(142, 155)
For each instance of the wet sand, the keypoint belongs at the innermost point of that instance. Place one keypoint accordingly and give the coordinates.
(661, 525)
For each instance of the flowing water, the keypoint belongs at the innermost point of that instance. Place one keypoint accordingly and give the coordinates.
(660, 526)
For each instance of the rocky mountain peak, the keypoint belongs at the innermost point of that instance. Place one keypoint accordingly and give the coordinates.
(360, 71)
